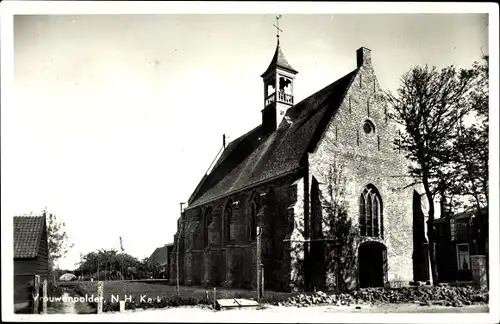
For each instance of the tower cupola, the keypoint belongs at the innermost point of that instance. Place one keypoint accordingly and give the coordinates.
(278, 87)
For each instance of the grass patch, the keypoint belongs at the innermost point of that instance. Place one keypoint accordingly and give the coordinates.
(139, 294)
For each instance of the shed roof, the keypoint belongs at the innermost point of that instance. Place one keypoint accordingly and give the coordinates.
(28, 231)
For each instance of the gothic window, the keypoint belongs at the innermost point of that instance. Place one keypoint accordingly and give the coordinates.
(370, 213)
(228, 215)
(253, 220)
(207, 221)
(368, 127)
(200, 230)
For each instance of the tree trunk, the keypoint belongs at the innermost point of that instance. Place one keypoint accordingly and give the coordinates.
(485, 190)
(442, 203)
(337, 267)
(430, 232)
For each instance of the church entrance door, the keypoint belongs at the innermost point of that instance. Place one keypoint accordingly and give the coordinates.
(371, 260)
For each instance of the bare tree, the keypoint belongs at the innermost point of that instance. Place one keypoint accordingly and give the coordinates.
(430, 104)
(338, 226)
(58, 241)
(471, 145)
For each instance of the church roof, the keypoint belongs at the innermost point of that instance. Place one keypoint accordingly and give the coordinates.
(279, 60)
(255, 157)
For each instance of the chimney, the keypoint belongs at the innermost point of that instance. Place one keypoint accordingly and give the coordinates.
(224, 140)
(364, 57)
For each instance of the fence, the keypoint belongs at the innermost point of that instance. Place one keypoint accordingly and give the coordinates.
(31, 294)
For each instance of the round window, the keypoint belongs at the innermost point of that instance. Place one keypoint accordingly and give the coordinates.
(368, 127)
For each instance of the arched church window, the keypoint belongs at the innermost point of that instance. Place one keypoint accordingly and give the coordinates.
(207, 221)
(370, 213)
(199, 230)
(228, 215)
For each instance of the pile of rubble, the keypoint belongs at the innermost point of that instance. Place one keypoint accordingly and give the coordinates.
(424, 295)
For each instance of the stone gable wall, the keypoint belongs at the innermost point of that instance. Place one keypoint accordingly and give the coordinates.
(368, 159)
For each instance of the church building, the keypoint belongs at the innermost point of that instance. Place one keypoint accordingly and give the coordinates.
(322, 182)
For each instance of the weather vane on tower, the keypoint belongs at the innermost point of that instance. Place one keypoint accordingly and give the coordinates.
(277, 26)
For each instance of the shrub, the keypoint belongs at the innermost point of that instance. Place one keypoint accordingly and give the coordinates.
(172, 301)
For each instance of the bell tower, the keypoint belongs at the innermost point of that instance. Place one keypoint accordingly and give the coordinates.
(278, 87)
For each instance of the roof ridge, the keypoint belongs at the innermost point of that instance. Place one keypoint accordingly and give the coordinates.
(28, 216)
(320, 131)
(230, 147)
(309, 118)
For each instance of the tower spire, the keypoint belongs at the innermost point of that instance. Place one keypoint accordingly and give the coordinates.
(278, 29)
(279, 60)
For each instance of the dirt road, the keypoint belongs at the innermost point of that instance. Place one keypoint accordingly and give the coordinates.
(285, 314)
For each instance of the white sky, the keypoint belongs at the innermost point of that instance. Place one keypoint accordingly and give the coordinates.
(116, 118)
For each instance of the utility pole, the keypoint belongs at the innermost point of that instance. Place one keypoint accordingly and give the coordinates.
(121, 259)
(177, 248)
(258, 264)
(97, 266)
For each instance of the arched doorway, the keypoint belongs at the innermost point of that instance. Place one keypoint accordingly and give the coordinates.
(372, 264)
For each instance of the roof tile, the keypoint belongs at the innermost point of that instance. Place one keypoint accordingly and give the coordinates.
(28, 232)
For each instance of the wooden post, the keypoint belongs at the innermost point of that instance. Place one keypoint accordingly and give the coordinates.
(100, 296)
(257, 277)
(177, 264)
(478, 268)
(97, 277)
(262, 276)
(177, 248)
(215, 298)
(122, 306)
(45, 297)
(36, 294)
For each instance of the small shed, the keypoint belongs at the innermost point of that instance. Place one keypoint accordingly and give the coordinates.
(161, 257)
(67, 277)
(31, 256)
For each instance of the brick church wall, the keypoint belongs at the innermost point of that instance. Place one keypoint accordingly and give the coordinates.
(233, 263)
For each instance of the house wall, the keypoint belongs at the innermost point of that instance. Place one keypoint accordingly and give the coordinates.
(368, 159)
(24, 272)
(446, 246)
